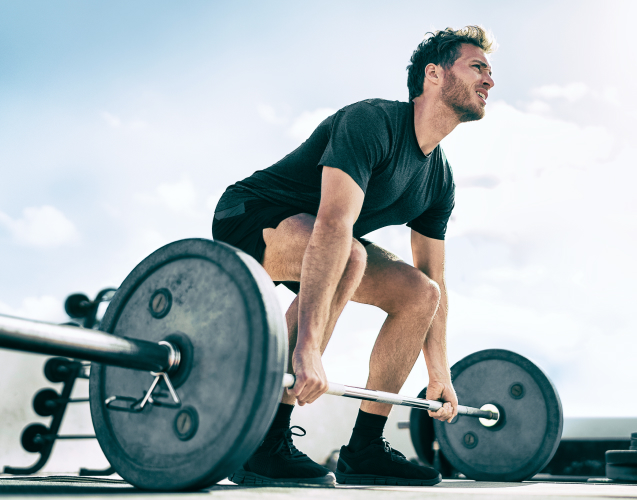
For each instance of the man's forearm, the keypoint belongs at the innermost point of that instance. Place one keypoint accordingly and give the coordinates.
(435, 346)
(324, 262)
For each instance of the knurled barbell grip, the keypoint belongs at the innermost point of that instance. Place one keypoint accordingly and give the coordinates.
(86, 344)
(393, 399)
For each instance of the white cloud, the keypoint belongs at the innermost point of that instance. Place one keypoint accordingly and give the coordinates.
(44, 227)
(270, 115)
(306, 122)
(509, 144)
(478, 181)
(212, 200)
(44, 308)
(114, 121)
(527, 275)
(611, 96)
(571, 92)
(538, 107)
(564, 345)
(541, 262)
(146, 242)
(179, 197)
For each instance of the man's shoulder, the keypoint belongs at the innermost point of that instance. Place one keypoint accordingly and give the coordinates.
(379, 106)
(375, 114)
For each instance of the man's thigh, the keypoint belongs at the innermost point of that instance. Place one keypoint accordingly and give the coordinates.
(388, 281)
(285, 247)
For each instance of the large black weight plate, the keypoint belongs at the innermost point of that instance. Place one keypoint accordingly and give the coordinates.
(224, 302)
(525, 440)
(421, 430)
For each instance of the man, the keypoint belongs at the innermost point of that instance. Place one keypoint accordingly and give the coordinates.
(372, 164)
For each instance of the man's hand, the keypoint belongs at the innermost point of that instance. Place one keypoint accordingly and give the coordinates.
(311, 381)
(443, 391)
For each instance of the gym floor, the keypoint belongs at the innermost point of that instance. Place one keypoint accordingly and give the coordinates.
(80, 488)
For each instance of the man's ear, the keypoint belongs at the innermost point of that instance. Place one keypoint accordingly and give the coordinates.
(433, 74)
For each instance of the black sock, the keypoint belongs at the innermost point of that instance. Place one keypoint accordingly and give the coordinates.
(281, 420)
(367, 428)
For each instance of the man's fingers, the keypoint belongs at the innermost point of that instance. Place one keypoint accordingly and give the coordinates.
(308, 392)
(446, 413)
(300, 392)
(317, 391)
(297, 390)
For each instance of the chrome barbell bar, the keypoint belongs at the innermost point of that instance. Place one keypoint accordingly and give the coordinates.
(94, 345)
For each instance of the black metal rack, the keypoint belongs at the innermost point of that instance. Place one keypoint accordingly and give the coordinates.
(47, 402)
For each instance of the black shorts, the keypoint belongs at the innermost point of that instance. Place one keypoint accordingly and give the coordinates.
(242, 227)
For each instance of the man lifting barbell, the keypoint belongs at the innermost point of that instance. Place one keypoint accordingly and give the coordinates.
(372, 164)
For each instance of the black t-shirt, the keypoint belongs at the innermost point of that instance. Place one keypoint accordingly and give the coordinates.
(374, 142)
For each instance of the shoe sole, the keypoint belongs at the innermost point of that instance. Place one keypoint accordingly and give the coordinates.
(246, 478)
(373, 480)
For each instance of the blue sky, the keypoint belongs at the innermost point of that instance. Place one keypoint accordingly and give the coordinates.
(121, 123)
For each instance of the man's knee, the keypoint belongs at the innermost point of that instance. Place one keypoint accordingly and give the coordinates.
(418, 294)
(357, 260)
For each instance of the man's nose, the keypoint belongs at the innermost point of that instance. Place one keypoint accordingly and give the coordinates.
(489, 81)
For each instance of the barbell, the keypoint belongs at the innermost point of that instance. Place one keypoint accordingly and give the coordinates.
(189, 369)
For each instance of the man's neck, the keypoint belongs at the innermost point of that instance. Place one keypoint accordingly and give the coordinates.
(433, 121)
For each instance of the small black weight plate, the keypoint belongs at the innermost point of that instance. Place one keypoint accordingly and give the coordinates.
(525, 440)
(77, 305)
(621, 457)
(45, 402)
(626, 473)
(59, 369)
(34, 438)
(224, 303)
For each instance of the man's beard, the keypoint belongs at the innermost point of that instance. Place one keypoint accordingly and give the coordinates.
(458, 97)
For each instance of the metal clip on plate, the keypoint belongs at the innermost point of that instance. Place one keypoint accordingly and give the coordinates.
(133, 405)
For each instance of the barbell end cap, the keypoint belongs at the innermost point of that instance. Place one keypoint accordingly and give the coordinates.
(289, 380)
(493, 418)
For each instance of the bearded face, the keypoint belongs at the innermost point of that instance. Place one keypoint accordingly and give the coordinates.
(461, 98)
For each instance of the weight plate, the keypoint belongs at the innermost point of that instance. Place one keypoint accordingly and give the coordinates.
(59, 369)
(626, 473)
(46, 402)
(34, 438)
(622, 457)
(421, 430)
(529, 432)
(223, 304)
(77, 305)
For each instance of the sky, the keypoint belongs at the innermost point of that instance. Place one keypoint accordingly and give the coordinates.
(122, 123)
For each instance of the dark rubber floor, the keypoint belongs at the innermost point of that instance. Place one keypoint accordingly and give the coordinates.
(85, 488)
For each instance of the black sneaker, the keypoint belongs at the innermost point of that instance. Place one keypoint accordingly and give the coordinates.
(380, 464)
(277, 461)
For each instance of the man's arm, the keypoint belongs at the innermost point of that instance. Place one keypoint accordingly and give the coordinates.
(324, 262)
(429, 257)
